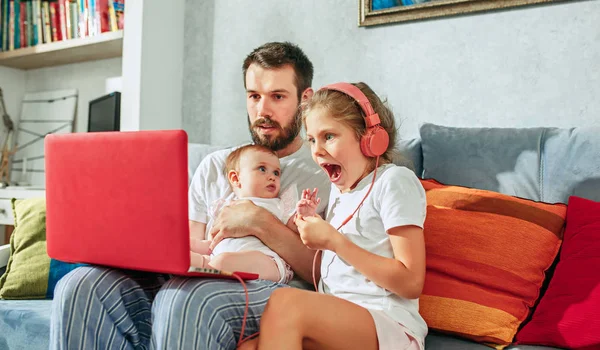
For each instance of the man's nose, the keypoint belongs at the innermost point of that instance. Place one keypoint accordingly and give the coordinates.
(263, 109)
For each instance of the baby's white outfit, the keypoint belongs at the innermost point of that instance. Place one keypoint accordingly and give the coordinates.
(275, 206)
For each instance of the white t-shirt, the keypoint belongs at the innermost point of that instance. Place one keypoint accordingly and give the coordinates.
(210, 184)
(397, 199)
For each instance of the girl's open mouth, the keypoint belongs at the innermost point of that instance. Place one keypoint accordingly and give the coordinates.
(333, 170)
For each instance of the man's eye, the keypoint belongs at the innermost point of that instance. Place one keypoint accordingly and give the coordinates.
(254, 97)
(278, 97)
(262, 168)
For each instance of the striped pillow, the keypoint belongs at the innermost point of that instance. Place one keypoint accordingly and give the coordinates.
(486, 257)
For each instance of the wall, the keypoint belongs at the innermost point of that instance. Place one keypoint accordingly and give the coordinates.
(152, 65)
(88, 78)
(528, 66)
(12, 82)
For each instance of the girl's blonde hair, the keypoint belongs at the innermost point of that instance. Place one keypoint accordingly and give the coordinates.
(345, 109)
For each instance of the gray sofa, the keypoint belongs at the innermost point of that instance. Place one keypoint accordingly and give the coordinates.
(543, 164)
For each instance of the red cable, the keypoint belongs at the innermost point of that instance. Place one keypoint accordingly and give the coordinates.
(242, 339)
(346, 221)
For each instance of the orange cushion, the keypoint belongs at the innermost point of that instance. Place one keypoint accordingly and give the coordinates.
(486, 257)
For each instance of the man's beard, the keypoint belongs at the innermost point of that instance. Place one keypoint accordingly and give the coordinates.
(275, 142)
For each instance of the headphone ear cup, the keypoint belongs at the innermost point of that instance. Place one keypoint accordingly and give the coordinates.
(374, 142)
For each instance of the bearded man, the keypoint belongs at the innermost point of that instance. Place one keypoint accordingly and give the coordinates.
(103, 308)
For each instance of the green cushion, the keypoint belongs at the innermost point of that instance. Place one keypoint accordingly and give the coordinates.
(30, 273)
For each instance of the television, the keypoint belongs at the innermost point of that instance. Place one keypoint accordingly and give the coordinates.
(105, 113)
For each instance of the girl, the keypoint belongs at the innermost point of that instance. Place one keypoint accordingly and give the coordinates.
(372, 266)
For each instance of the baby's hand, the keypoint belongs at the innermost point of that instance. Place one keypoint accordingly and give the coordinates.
(307, 205)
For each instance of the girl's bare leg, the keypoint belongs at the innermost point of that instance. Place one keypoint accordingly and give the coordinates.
(251, 344)
(249, 261)
(299, 319)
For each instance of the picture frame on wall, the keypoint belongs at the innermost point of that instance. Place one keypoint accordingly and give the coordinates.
(376, 12)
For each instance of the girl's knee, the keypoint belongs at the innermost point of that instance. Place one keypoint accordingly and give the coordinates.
(282, 309)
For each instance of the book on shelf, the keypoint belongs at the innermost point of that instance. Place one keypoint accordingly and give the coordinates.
(25, 23)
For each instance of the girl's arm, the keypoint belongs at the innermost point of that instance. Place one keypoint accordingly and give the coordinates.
(404, 275)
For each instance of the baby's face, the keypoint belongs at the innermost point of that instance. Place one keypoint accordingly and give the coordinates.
(259, 175)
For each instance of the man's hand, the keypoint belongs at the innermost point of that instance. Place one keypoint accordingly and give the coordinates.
(238, 219)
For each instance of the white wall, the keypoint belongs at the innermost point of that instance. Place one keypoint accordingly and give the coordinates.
(152, 65)
(12, 82)
(528, 66)
(88, 78)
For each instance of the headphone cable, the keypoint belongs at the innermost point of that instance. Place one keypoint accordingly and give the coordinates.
(345, 222)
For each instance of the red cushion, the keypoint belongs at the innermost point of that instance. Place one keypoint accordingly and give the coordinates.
(568, 314)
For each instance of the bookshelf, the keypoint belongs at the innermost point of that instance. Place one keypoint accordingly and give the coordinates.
(105, 45)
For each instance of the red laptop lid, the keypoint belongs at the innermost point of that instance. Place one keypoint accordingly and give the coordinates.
(118, 199)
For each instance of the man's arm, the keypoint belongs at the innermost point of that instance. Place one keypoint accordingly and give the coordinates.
(197, 229)
(244, 218)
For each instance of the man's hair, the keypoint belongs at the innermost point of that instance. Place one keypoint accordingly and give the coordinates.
(233, 159)
(279, 54)
(345, 109)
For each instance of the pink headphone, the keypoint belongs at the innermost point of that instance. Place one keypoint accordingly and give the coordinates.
(375, 141)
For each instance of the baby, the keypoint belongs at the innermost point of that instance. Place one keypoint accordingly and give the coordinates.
(254, 174)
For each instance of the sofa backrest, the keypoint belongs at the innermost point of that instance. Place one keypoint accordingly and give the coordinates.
(197, 152)
(542, 164)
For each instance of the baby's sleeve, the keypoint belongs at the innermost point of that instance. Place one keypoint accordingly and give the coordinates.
(289, 199)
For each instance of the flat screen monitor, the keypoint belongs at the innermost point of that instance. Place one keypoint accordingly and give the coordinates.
(105, 112)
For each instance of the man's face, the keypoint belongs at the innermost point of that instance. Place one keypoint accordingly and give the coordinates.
(272, 104)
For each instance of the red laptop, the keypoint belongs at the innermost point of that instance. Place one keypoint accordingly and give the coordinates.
(120, 199)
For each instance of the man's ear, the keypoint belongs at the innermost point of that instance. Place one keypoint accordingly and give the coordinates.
(234, 178)
(307, 94)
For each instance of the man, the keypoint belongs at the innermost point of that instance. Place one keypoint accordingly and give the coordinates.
(96, 307)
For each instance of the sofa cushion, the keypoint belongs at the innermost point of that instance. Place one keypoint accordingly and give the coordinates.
(25, 324)
(495, 159)
(30, 273)
(487, 254)
(570, 164)
(410, 155)
(444, 342)
(567, 314)
(197, 152)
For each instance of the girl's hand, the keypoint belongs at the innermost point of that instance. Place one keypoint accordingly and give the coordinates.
(317, 233)
(307, 205)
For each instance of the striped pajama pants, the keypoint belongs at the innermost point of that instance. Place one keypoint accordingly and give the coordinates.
(101, 308)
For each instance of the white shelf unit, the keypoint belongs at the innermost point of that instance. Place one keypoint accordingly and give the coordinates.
(102, 46)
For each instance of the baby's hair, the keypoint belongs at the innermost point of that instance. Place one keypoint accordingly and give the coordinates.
(346, 110)
(233, 159)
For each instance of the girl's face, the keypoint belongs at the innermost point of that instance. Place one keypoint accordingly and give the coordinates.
(335, 148)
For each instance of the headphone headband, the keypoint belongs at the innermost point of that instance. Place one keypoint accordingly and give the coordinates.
(375, 141)
(371, 118)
